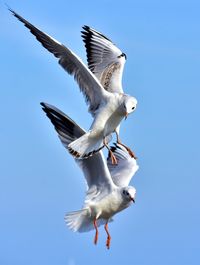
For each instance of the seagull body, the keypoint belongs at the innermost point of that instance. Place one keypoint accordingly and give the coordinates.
(106, 121)
(108, 206)
(107, 185)
(102, 89)
(106, 61)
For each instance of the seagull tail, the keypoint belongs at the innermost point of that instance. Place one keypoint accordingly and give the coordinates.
(81, 221)
(78, 221)
(85, 146)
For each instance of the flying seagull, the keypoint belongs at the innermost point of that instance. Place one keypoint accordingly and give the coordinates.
(107, 185)
(107, 108)
(106, 61)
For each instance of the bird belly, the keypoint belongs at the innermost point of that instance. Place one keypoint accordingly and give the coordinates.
(107, 207)
(109, 212)
(112, 123)
(106, 120)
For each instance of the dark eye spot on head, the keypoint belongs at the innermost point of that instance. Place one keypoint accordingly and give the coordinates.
(133, 108)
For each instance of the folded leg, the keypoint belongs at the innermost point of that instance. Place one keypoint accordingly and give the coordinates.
(97, 232)
(113, 158)
(108, 236)
(131, 153)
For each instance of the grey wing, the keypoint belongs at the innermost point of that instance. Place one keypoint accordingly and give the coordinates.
(126, 168)
(88, 83)
(94, 168)
(105, 60)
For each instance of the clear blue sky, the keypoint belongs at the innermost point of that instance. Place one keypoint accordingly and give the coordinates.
(39, 181)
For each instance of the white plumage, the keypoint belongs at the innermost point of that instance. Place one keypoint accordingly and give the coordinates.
(107, 186)
(100, 84)
(105, 60)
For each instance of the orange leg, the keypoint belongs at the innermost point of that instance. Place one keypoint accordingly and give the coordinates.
(113, 158)
(127, 148)
(108, 236)
(96, 234)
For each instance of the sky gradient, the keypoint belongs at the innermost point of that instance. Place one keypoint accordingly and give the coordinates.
(40, 182)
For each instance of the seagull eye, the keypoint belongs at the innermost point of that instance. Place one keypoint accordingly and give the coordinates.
(133, 108)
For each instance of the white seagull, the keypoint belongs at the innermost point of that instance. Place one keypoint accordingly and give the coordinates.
(108, 109)
(107, 185)
(106, 61)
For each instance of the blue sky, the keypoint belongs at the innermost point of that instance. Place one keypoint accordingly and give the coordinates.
(39, 181)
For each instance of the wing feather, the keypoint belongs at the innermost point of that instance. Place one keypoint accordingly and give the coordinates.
(89, 85)
(126, 168)
(105, 60)
(94, 168)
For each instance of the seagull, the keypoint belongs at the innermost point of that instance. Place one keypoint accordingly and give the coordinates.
(108, 190)
(106, 62)
(107, 108)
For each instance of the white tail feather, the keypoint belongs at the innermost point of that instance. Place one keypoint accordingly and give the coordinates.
(81, 221)
(85, 146)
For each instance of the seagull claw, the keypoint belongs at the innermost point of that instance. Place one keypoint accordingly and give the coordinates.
(108, 242)
(108, 236)
(96, 234)
(127, 148)
(113, 158)
(131, 153)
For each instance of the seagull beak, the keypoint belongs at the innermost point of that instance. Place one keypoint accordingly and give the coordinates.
(132, 199)
(126, 115)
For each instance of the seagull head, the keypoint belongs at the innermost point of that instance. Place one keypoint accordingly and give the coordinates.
(129, 194)
(129, 105)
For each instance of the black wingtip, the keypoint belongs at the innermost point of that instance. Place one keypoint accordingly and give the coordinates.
(88, 35)
(26, 23)
(11, 10)
(44, 106)
(88, 30)
(123, 55)
(49, 109)
(8, 7)
(85, 27)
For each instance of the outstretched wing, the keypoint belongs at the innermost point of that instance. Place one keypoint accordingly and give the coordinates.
(126, 167)
(88, 83)
(105, 60)
(94, 168)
